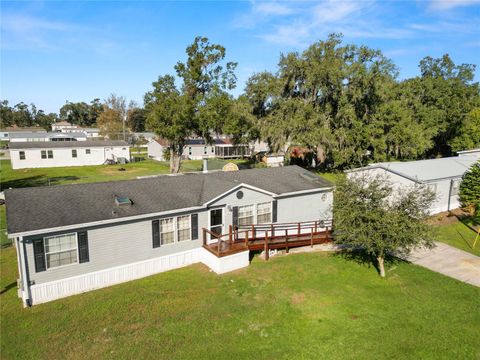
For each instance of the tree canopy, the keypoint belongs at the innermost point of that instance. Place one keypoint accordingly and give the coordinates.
(373, 218)
(470, 189)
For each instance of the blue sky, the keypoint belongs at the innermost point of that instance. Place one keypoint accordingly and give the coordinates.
(57, 51)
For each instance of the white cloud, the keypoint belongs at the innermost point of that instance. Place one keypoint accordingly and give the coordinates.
(442, 5)
(272, 8)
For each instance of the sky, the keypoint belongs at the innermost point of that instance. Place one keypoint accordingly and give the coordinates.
(53, 52)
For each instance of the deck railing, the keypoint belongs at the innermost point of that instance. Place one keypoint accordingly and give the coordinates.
(267, 236)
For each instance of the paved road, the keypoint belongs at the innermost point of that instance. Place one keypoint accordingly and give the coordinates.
(449, 261)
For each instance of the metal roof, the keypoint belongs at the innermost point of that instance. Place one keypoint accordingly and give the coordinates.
(65, 144)
(48, 207)
(428, 170)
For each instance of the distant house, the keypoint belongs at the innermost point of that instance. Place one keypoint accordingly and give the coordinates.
(75, 238)
(51, 136)
(62, 126)
(197, 149)
(442, 176)
(6, 132)
(273, 159)
(43, 154)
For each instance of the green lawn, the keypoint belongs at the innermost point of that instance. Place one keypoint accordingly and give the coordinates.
(458, 235)
(302, 306)
(4, 241)
(83, 174)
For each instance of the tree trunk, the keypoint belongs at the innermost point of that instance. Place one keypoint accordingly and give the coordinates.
(174, 161)
(320, 155)
(381, 265)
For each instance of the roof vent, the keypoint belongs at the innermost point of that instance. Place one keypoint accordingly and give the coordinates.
(122, 201)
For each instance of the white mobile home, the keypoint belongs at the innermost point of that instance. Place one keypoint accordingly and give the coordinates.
(442, 176)
(76, 238)
(53, 136)
(67, 153)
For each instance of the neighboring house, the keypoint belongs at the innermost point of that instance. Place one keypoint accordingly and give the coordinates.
(75, 238)
(6, 132)
(274, 159)
(89, 132)
(197, 149)
(51, 136)
(148, 136)
(63, 126)
(473, 152)
(443, 176)
(67, 153)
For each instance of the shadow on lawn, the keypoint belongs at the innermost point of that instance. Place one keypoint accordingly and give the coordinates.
(363, 258)
(38, 180)
(8, 287)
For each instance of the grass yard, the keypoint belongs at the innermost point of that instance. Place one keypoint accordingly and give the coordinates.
(459, 235)
(301, 306)
(4, 241)
(83, 174)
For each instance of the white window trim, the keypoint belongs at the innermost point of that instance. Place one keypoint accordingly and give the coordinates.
(175, 229)
(270, 212)
(56, 252)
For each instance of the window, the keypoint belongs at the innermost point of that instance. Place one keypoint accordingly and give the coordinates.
(167, 231)
(61, 250)
(245, 215)
(205, 150)
(213, 149)
(87, 151)
(183, 228)
(50, 154)
(74, 153)
(44, 154)
(264, 213)
(189, 150)
(22, 155)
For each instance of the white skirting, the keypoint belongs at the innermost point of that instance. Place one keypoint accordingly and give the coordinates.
(77, 284)
(95, 280)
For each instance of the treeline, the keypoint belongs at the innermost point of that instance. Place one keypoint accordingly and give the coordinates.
(342, 102)
(108, 115)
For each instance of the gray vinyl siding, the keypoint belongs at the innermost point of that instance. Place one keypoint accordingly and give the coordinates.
(114, 245)
(305, 207)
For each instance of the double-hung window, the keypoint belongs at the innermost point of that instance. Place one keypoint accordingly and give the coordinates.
(74, 153)
(87, 151)
(50, 154)
(21, 154)
(264, 213)
(44, 154)
(167, 231)
(183, 228)
(61, 250)
(205, 150)
(245, 215)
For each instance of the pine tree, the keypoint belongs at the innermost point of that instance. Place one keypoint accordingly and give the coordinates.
(470, 188)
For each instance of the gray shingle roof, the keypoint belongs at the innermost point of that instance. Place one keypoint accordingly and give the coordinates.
(65, 144)
(47, 207)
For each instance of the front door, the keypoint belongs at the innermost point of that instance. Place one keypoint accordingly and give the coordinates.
(216, 221)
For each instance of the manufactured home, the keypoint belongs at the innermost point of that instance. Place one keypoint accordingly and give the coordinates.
(52, 136)
(42, 154)
(442, 176)
(197, 149)
(75, 238)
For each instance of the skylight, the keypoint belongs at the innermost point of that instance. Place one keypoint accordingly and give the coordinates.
(119, 200)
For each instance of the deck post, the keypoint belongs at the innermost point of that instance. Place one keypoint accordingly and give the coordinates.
(204, 231)
(286, 239)
(246, 239)
(253, 231)
(311, 238)
(230, 228)
(272, 231)
(316, 229)
(326, 234)
(298, 226)
(219, 242)
(267, 251)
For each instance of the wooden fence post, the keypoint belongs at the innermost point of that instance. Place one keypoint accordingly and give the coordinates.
(267, 251)
(311, 237)
(286, 239)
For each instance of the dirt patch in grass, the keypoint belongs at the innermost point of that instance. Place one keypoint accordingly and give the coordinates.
(298, 298)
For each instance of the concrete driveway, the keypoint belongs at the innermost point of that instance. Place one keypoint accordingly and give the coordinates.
(449, 261)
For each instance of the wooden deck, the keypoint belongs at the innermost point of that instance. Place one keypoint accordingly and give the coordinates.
(267, 237)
